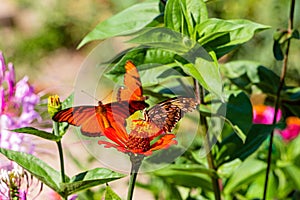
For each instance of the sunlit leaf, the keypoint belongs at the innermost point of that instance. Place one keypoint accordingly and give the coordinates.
(126, 22)
(182, 15)
(89, 179)
(222, 36)
(110, 194)
(245, 174)
(207, 74)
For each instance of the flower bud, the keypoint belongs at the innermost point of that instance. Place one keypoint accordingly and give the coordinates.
(54, 105)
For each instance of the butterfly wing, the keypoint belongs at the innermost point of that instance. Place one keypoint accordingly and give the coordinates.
(167, 113)
(83, 116)
(133, 90)
(117, 112)
(93, 120)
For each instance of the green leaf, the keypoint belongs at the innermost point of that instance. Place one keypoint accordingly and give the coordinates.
(167, 39)
(143, 56)
(247, 73)
(173, 15)
(239, 114)
(194, 168)
(232, 147)
(296, 34)
(277, 51)
(268, 80)
(89, 179)
(207, 74)
(293, 172)
(186, 179)
(244, 69)
(126, 22)
(245, 174)
(222, 36)
(164, 38)
(110, 194)
(290, 98)
(36, 167)
(182, 15)
(39, 133)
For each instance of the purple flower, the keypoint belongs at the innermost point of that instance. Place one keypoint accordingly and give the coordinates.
(17, 103)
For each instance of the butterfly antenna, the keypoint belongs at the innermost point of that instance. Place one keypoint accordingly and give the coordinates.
(90, 95)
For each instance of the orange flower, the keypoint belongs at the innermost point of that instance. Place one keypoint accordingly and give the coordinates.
(144, 138)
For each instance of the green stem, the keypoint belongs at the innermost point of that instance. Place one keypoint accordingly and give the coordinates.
(203, 131)
(60, 151)
(277, 100)
(136, 161)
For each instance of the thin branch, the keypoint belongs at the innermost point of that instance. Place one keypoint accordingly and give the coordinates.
(277, 101)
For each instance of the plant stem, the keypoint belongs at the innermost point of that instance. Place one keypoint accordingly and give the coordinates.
(203, 131)
(60, 151)
(136, 161)
(61, 159)
(277, 100)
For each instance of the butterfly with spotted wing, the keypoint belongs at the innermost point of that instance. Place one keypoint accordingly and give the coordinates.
(166, 114)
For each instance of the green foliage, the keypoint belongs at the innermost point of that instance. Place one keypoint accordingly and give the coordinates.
(184, 16)
(126, 22)
(222, 36)
(52, 178)
(36, 167)
(178, 46)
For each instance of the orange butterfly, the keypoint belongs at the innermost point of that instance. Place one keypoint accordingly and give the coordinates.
(166, 114)
(93, 120)
(133, 86)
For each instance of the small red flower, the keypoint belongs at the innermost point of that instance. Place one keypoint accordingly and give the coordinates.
(144, 138)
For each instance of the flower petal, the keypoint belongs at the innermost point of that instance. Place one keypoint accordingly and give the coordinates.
(112, 145)
(164, 142)
(112, 134)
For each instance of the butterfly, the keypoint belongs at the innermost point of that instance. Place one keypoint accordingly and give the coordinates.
(93, 120)
(166, 114)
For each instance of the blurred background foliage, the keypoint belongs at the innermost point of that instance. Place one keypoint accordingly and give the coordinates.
(32, 32)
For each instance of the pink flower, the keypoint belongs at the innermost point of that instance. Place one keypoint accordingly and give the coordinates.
(292, 129)
(263, 114)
